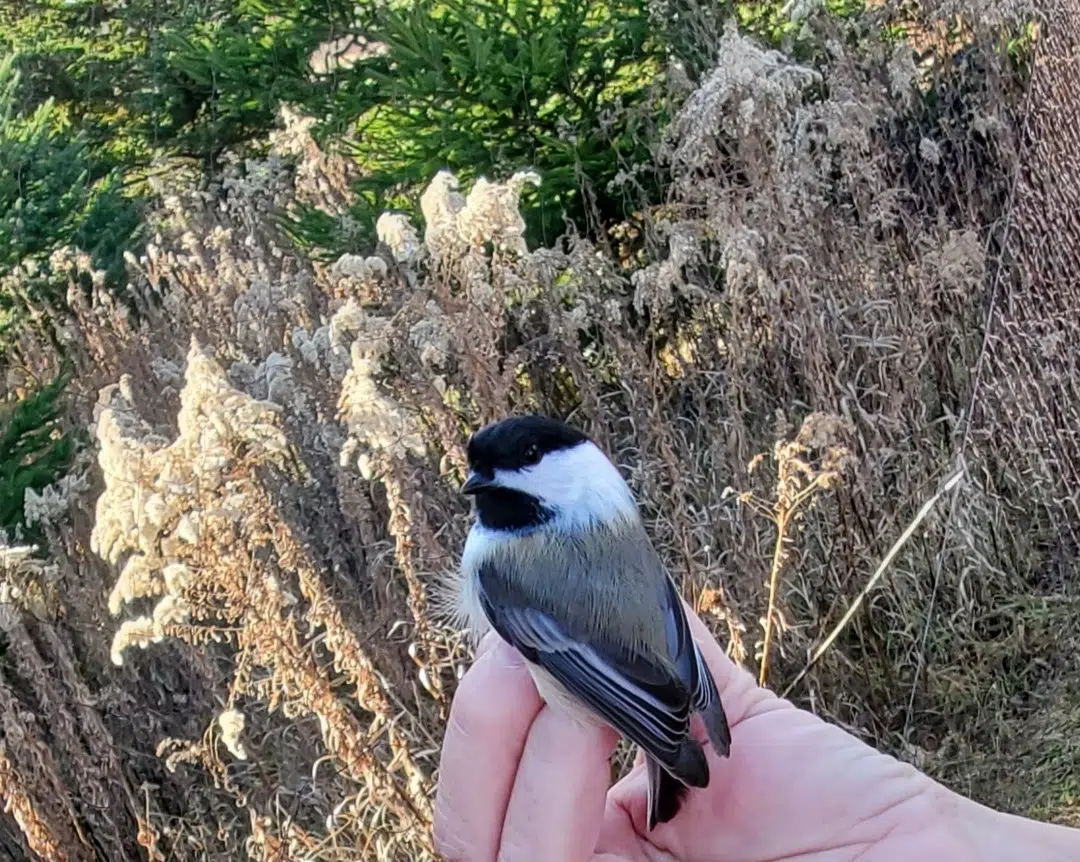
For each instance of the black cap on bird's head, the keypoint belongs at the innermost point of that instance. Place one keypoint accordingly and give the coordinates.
(515, 444)
(530, 471)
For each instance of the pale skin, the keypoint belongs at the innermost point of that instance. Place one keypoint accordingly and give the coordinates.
(522, 782)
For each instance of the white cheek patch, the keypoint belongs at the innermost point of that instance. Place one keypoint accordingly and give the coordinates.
(580, 485)
(541, 480)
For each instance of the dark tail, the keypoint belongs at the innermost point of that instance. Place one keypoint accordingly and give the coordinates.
(666, 792)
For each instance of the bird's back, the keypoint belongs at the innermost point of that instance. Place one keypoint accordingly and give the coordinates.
(616, 559)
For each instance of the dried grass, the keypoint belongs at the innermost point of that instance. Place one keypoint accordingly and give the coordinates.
(236, 648)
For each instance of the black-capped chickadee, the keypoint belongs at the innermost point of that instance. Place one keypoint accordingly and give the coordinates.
(558, 562)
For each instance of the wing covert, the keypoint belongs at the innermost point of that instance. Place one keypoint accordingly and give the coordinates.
(639, 696)
(694, 673)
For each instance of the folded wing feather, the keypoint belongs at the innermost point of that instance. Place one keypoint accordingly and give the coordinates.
(640, 695)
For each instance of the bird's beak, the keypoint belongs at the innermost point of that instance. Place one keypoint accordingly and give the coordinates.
(475, 483)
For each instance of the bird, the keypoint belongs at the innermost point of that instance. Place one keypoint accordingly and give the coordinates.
(558, 562)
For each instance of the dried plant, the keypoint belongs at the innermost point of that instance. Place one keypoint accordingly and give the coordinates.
(21, 807)
(273, 509)
(198, 534)
(812, 462)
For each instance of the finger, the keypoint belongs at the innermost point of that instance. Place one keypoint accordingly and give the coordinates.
(493, 709)
(619, 835)
(557, 805)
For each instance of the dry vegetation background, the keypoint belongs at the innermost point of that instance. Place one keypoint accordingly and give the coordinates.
(232, 650)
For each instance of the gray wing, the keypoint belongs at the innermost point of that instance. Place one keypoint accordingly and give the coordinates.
(693, 671)
(641, 696)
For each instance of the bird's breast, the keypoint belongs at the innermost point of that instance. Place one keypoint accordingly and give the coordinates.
(469, 610)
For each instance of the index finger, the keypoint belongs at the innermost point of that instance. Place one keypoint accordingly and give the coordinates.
(495, 705)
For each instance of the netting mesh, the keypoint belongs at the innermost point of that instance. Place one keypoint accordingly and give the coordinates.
(1031, 401)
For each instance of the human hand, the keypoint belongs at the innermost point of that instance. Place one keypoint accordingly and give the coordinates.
(519, 781)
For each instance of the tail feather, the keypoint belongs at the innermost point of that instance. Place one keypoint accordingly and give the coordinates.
(666, 794)
(707, 702)
(668, 789)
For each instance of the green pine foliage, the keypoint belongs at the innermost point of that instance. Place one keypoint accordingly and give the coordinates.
(86, 59)
(223, 76)
(54, 191)
(480, 88)
(145, 78)
(33, 451)
(494, 86)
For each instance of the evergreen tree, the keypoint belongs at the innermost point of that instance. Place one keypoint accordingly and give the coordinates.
(191, 78)
(488, 87)
(54, 191)
(33, 451)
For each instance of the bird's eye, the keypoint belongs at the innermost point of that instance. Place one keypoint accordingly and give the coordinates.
(532, 454)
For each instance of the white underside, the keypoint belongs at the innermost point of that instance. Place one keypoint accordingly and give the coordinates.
(468, 612)
(558, 698)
